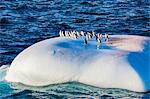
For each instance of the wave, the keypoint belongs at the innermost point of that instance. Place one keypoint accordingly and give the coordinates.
(3, 70)
(73, 89)
(2, 51)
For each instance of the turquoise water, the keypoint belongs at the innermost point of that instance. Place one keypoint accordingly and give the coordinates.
(25, 22)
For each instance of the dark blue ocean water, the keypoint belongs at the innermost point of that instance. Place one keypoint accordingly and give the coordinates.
(25, 22)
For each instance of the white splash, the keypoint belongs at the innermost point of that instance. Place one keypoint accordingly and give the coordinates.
(3, 70)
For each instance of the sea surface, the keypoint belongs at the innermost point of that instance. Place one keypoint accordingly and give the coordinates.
(25, 22)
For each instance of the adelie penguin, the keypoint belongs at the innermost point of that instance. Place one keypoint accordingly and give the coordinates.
(85, 41)
(89, 35)
(67, 33)
(96, 37)
(99, 37)
(60, 33)
(78, 34)
(82, 33)
(106, 37)
(99, 41)
(93, 34)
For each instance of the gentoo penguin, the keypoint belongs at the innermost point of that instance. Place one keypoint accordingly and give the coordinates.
(106, 37)
(85, 41)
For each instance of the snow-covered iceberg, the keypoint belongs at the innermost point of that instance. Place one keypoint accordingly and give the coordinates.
(121, 62)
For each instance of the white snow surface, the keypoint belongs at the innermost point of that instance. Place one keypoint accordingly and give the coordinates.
(64, 59)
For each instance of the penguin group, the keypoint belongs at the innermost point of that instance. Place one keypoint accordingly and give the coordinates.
(87, 35)
(73, 34)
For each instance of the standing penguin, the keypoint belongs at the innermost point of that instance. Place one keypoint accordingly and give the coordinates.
(66, 33)
(99, 37)
(86, 36)
(82, 33)
(90, 35)
(96, 37)
(85, 41)
(78, 34)
(106, 37)
(69, 34)
(99, 40)
(63, 34)
(75, 35)
(60, 33)
(93, 34)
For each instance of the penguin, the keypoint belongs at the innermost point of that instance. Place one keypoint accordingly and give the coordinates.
(82, 33)
(63, 34)
(69, 34)
(85, 33)
(78, 34)
(99, 37)
(66, 33)
(96, 37)
(99, 40)
(89, 35)
(93, 34)
(60, 33)
(86, 36)
(75, 35)
(106, 37)
(85, 41)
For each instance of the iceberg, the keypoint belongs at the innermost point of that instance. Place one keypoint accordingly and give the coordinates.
(121, 62)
